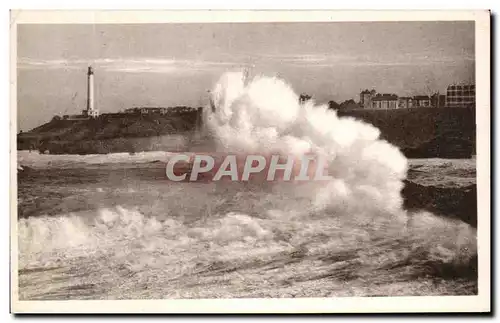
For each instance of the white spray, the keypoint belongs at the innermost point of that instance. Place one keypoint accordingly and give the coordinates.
(315, 239)
(264, 115)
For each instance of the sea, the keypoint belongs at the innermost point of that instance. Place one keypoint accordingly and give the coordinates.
(112, 227)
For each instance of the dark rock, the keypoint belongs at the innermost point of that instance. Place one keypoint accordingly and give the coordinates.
(441, 147)
(456, 202)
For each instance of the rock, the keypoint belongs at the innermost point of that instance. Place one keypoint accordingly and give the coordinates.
(455, 202)
(441, 147)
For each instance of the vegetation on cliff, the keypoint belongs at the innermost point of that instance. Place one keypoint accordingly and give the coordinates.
(118, 132)
(418, 132)
(425, 132)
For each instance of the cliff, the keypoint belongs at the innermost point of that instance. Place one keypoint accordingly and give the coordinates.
(425, 132)
(116, 132)
(418, 132)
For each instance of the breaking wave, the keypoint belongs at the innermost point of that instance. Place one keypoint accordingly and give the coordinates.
(346, 237)
(265, 116)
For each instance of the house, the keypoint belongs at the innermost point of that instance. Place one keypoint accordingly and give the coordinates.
(365, 98)
(438, 100)
(461, 95)
(181, 109)
(132, 111)
(405, 102)
(90, 113)
(421, 101)
(75, 117)
(146, 110)
(303, 98)
(385, 101)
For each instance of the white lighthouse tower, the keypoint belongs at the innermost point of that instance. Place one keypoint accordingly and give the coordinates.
(91, 111)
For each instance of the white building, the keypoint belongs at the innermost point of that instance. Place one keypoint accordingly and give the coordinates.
(385, 101)
(91, 111)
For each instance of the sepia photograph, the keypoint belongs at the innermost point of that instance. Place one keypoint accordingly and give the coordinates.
(243, 159)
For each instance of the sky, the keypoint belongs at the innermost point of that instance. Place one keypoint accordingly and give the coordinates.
(176, 64)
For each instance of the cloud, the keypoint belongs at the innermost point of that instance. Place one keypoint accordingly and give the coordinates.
(332, 60)
(299, 58)
(29, 63)
(126, 65)
(239, 60)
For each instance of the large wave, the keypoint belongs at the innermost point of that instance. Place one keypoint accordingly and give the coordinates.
(264, 115)
(349, 236)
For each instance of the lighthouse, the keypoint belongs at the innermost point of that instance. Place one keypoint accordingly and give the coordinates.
(91, 111)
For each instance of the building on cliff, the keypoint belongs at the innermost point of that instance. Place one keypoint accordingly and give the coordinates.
(146, 110)
(405, 102)
(461, 95)
(438, 100)
(90, 111)
(385, 101)
(421, 101)
(365, 98)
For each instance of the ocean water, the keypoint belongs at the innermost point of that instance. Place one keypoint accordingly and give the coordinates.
(112, 227)
(122, 231)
